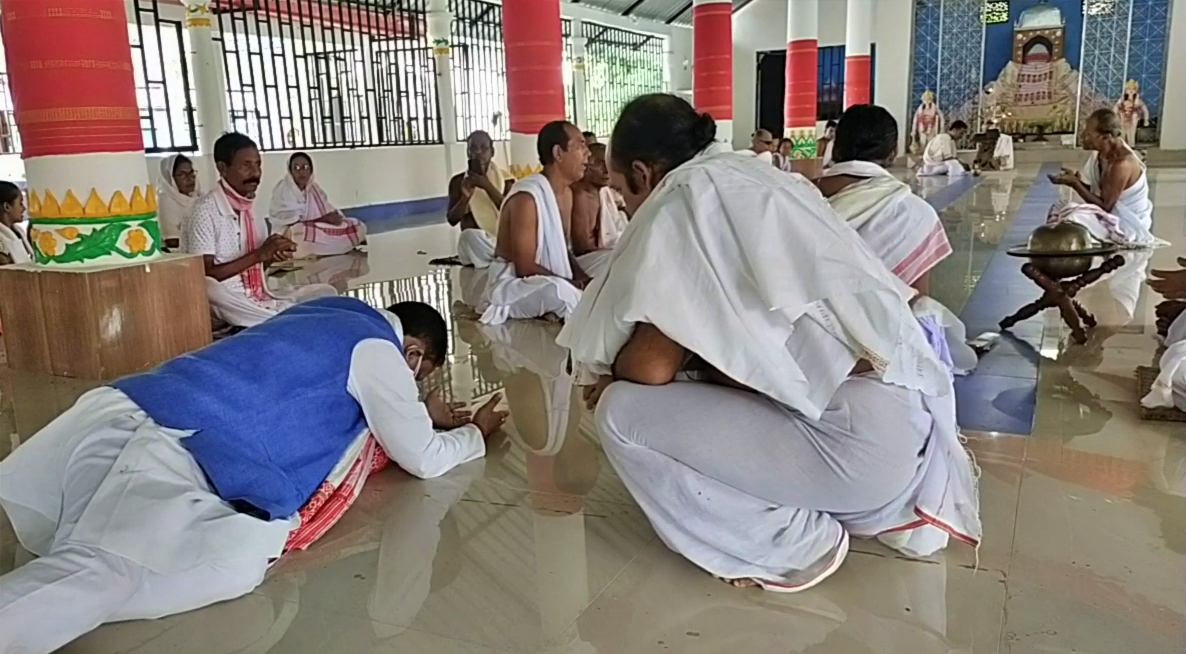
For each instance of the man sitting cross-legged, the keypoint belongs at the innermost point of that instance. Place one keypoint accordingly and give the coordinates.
(902, 229)
(941, 156)
(174, 489)
(1169, 389)
(475, 197)
(534, 273)
(223, 227)
(818, 408)
(1113, 187)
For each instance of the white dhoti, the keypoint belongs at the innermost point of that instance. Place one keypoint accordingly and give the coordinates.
(125, 524)
(747, 488)
(233, 307)
(595, 263)
(509, 296)
(475, 248)
(1169, 389)
(950, 168)
(1002, 152)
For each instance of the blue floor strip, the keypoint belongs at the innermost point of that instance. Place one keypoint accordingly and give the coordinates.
(1002, 392)
(942, 198)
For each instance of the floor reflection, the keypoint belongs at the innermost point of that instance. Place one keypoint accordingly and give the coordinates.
(539, 547)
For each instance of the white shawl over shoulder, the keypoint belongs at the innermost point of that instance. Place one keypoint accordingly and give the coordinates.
(290, 205)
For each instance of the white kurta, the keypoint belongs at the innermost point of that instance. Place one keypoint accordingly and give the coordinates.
(509, 296)
(13, 244)
(939, 157)
(213, 228)
(819, 454)
(128, 527)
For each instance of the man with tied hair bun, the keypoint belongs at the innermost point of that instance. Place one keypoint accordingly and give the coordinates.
(1112, 187)
(761, 385)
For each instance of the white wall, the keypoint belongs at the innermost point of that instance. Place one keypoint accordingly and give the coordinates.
(1173, 117)
(762, 25)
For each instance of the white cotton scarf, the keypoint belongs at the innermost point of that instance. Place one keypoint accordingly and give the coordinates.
(1161, 394)
(14, 245)
(1003, 150)
(290, 205)
(172, 204)
(611, 222)
(756, 274)
(551, 249)
(1131, 219)
(906, 234)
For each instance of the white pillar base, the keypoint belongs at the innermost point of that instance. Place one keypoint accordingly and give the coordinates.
(524, 159)
(725, 131)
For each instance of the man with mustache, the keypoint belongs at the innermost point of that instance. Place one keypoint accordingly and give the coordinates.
(235, 244)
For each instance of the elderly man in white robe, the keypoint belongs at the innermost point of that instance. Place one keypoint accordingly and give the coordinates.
(815, 408)
(234, 243)
(902, 229)
(475, 198)
(1113, 187)
(175, 489)
(534, 273)
(941, 156)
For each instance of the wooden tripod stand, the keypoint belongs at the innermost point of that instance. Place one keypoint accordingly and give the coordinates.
(1061, 294)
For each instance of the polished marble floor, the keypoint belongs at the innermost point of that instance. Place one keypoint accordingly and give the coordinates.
(539, 547)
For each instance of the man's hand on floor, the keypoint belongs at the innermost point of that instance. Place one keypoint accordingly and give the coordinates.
(488, 418)
(445, 415)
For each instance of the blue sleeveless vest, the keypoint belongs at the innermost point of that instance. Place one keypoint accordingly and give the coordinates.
(268, 407)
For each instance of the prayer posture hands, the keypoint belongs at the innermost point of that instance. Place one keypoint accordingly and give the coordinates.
(275, 248)
(1170, 283)
(1066, 177)
(489, 419)
(334, 217)
(445, 415)
(474, 180)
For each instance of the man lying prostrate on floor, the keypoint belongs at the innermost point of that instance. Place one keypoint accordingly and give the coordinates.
(940, 156)
(174, 489)
(534, 273)
(902, 229)
(1113, 187)
(597, 222)
(818, 409)
(475, 197)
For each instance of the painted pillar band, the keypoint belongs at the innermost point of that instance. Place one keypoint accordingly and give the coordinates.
(535, 75)
(858, 38)
(712, 62)
(580, 113)
(802, 73)
(440, 34)
(74, 95)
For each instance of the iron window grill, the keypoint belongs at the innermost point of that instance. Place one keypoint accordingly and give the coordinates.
(479, 69)
(319, 74)
(830, 82)
(620, 65)
(164, 84)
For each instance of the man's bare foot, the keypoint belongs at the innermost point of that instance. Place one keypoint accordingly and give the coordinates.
(552, 318)
(745, 582)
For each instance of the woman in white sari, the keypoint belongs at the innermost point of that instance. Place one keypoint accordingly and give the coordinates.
(301, 211)
(176, 191)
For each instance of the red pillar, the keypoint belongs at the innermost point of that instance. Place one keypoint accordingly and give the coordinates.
(858, 34)
(535, 75)
(802, 74)
(712, 62)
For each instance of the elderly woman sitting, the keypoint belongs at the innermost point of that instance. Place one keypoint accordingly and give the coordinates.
(176, 191)
(301, 211)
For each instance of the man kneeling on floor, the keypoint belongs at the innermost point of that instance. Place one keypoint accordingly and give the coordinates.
(174, 489)
(534, 273)
(817, 410)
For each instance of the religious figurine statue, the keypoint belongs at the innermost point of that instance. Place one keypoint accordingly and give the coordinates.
(928, 122)
(1132, 111)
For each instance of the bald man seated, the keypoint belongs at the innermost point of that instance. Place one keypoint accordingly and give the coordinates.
(762, 146)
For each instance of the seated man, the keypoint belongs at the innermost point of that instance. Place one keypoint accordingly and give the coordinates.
(596, 220)
(819, 409)
(474, 200)
(170, 490)
(235, 244)
(940, 156)
(823, 145)
(761, 146)
(301, 211)
(902, 229)
(1169, 389)
(14, 247)
(782, 156)
(534, 274)
(1113, 187)
(590, 138)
